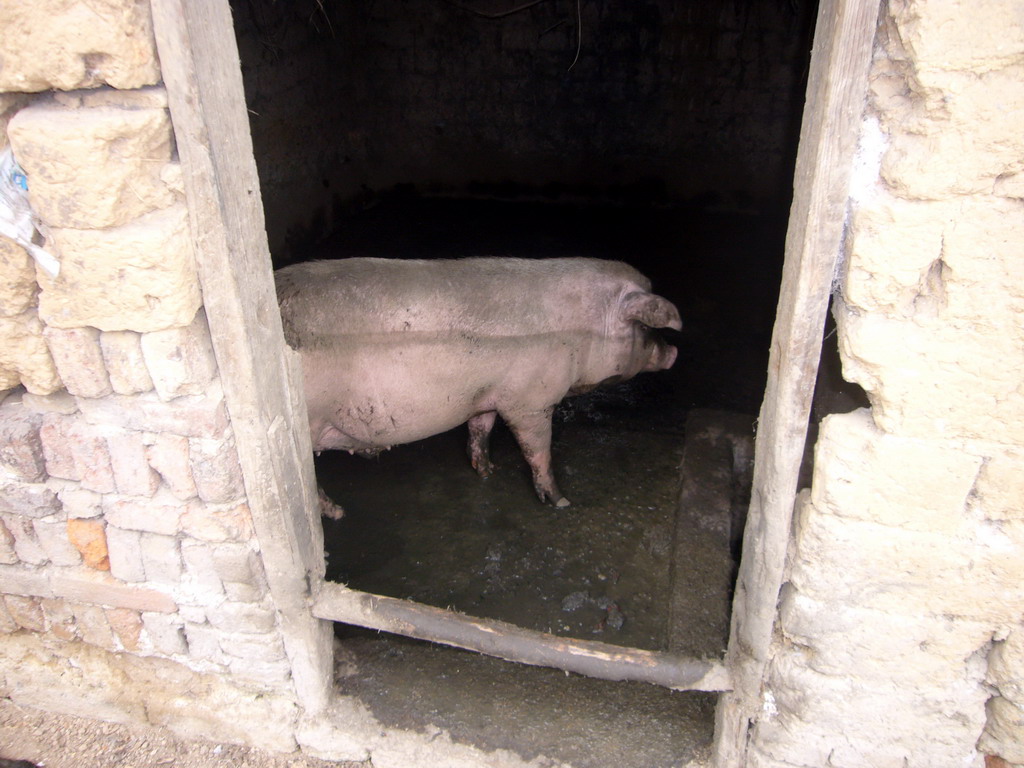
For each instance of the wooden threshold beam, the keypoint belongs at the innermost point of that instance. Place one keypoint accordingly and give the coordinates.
(337, 602)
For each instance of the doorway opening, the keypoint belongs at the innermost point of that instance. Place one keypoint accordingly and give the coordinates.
(431, 129)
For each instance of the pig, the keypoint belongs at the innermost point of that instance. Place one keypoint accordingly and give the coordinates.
(396, 350)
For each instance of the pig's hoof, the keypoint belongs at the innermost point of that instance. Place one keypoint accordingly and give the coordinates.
(562, 503)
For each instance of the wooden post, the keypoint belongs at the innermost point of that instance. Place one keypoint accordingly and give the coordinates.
(512, 643)
(843, 42)
(260, 375)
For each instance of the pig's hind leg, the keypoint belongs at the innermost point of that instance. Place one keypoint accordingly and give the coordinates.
(533, 433)
(478, 448)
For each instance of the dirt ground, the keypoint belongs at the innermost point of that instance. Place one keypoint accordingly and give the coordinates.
(59, 741)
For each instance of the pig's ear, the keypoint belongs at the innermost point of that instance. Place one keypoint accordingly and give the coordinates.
(651, 310)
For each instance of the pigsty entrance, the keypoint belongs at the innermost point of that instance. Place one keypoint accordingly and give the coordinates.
(421, 525)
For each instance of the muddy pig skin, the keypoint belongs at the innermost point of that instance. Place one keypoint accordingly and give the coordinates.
(397, 350)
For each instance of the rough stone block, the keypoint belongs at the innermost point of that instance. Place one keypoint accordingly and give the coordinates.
(79, 502)
(137, 277)
(159, 514)
(125, 549)
(76, 353)
(218, 522)
(7, 554)
(28, 499)
(896, 725)
(888, 569)
(165, 633)
(93, 626)
(17, 279)
(864, 473)
(26, 613)
(21, 450)
(192, 416)
(53, 538)
(215, 470)
(180, 360)
(955, 36)
(168, 455)
(201, 579)
(127, 625)
(999, 490)
(96, 588)
(122, 355)
(91, 457)
(849, 641)
(92, 168)
(26, 545)
(244, 618)
(60, 619)
(63, 44)
(1004, 731)
(24, 356)
(56, 442)
(133, 475)
(89, 537)
(161, 559)
(1006, 666)
(243, 592)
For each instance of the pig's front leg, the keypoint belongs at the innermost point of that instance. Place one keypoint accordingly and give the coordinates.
(480, 427)
(533, 433)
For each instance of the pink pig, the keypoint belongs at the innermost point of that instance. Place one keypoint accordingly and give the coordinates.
(398, 350)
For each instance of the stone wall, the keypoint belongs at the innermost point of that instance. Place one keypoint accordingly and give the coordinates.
(132, 584)
(666, 101)
(900, 627)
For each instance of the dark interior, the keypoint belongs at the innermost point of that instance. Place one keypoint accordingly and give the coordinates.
(661, 133)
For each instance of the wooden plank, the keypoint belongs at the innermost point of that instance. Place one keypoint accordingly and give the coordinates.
(507, 641)
(201, 71)
(836, 92)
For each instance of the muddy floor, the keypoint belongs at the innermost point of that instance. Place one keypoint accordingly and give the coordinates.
(421, 525)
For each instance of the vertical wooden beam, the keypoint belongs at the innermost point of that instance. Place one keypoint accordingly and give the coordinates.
(202, 74)
(841, 58)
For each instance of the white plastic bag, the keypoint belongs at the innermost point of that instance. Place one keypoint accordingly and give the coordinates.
(16, 221)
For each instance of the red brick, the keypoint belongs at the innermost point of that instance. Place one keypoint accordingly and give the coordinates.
(159, 514)
(169, 455)
(215, 469)
(57, 445)
(76, 353)
(127, 625)
(28, 499)
(26, 546)
(218, 522)
(60, 619)
(133, 475)
(21, 449)
(7, 554)
(122, 354)
(26, 612)
(193, 415)
(7, 623)
(90, 539)
(53, 538)
(92, 458)
(94, 627)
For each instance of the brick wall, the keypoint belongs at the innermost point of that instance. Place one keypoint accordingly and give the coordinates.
(667, 99)
(900, 627)
(124, 527)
